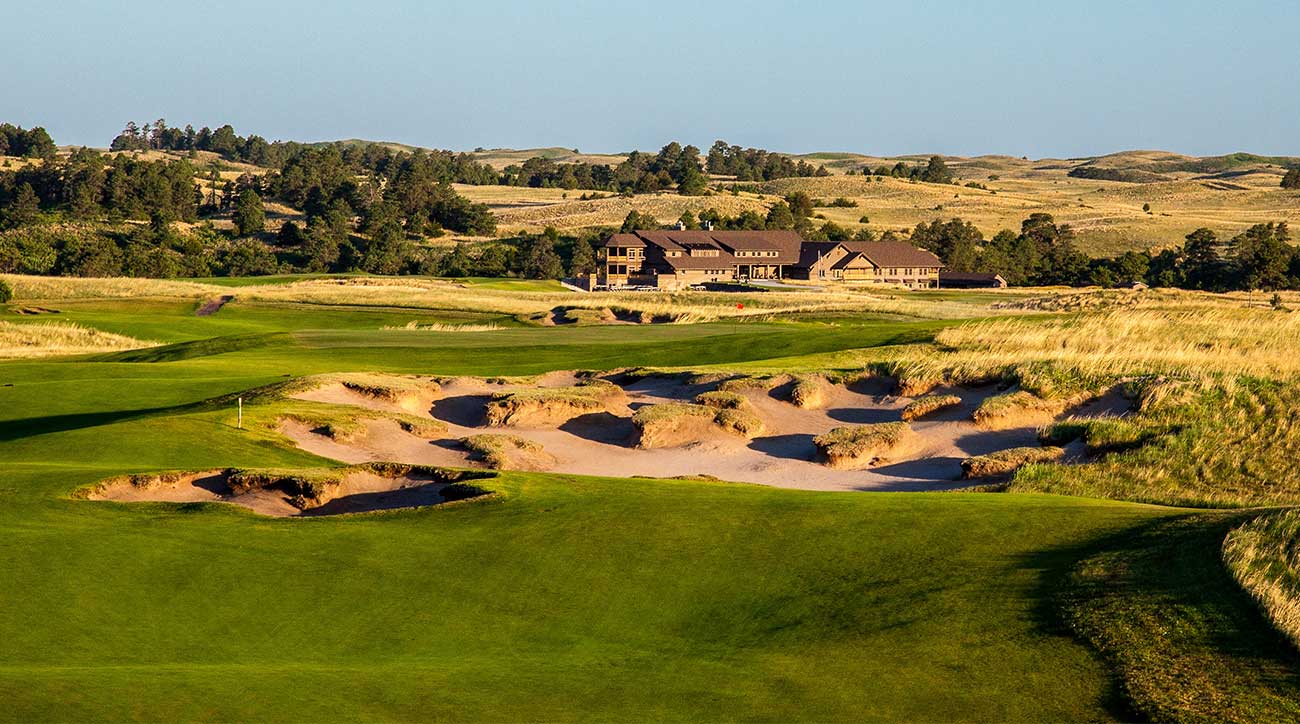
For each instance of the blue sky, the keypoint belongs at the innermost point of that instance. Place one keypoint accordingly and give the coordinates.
(1022, 78)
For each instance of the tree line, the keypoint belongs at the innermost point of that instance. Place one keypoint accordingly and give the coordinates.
(31, 143)
(1044, 253)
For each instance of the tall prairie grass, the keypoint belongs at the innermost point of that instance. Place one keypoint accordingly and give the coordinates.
(51, 339)
(1264, 556)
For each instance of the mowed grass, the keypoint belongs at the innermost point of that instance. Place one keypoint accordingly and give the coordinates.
(560, 598)
(569, 598)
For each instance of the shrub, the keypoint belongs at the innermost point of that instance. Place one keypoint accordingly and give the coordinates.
(1005, 462)
(6, 292)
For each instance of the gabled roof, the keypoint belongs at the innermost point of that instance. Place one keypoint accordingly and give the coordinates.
(893, 253)
(625, 240)
(853, 260)
(814, 250)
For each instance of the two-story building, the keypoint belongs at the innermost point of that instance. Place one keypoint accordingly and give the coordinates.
(678, 258)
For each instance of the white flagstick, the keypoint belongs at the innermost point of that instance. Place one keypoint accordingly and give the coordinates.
(241, 413)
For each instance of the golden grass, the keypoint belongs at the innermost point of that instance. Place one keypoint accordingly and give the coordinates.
(927, 405)
(1264, 556)
(46, 288)
(528, 210)
(439, 327)
(860, 445)
(680, 307)
(495, 450)
(1005, 462)
(50, 339)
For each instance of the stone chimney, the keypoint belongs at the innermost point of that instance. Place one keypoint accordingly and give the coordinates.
(707, 225)
(681, 225)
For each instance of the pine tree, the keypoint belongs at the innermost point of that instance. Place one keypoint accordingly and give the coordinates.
(541, 261)
(26, 208)
(584, 259)
(249, 216)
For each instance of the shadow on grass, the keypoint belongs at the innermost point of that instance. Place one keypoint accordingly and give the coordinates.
(11, 430)
(1183, 641)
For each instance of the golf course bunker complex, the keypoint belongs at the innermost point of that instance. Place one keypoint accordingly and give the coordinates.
(299, 493)
(786, 431)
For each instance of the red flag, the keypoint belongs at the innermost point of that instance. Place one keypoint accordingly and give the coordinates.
(740, 306)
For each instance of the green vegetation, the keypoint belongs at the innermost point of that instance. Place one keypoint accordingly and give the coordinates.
(1209, 444)
(1187, 644)
(570, 597)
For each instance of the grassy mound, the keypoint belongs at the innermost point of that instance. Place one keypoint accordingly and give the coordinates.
(677, 423)
(860, 445)
(499, 451)
(404, 391)
(1016, 409)
(809, 391)
(1005, 462)
(549, 405)
(929, 404)
(1264, 556)
(723, 400)
(348, 425)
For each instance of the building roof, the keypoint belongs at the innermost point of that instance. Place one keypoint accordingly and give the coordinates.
(893, 253)
(853, 261)
(624, 240)
(811, 251)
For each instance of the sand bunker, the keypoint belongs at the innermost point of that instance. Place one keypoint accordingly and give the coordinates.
(303, 493)
(734, 429)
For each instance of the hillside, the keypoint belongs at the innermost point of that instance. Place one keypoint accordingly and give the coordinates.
(1225, 193)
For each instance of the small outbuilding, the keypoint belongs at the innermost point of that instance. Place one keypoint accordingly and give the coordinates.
(970, 280)
(1139, 286)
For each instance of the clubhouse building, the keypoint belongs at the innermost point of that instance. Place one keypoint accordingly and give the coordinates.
(679, 258)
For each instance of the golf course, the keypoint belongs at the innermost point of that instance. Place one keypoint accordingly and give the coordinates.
(551, 596)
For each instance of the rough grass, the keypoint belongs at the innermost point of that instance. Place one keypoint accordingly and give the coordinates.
(1005, 462)
(50, 339)
(723, 399)
(497, 450)
(1185, 643)
(675, 423)
(809, 391)
(928, 405)
(1013, 409)
(1264, 556)
(549, 405)
(860, 445)
(388, 387)
(349, 425)
(1213, 442)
